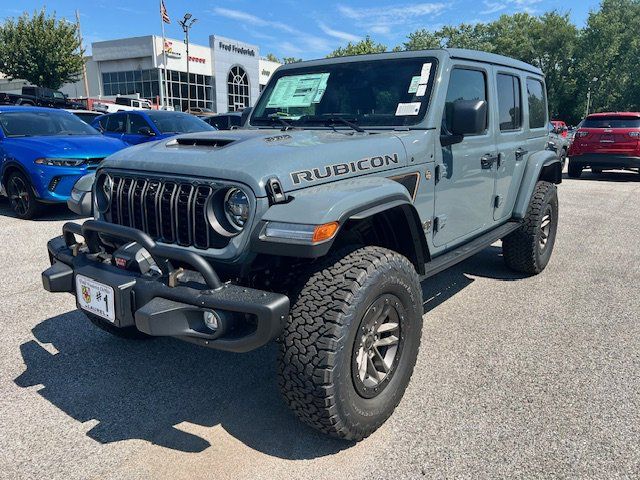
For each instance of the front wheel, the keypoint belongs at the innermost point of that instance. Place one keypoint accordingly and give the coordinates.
(529, 248)
(23, 201)
(351, 342)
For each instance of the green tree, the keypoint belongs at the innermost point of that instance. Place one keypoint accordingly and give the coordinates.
(286, 60)
(464, 35)
(610, 51)
(359, 48)
(41, 49)
(272, 58)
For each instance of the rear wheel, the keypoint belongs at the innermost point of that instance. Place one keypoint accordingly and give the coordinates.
(529, 248)
(351, 342)
(574, 170)
(23, 201)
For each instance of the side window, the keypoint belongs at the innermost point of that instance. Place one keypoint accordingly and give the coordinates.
(537, 103)
(136, 122)
(116, 123)
(464, 84)
(509, 98)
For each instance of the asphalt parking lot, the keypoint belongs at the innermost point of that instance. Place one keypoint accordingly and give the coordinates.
(525, 377)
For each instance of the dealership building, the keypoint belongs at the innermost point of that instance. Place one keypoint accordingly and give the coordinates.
(226, 75)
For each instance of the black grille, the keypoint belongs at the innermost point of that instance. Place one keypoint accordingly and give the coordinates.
(169, 211)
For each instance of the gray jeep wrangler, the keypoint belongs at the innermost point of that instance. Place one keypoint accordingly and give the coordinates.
(355, 179)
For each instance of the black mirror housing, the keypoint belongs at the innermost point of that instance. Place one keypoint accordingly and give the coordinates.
(146, 131)
(469, 117)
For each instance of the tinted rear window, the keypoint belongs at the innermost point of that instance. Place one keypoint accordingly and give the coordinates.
(611, 122)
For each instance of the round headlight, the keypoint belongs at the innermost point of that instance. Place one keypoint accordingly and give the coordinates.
(104, 191)
(236, 207)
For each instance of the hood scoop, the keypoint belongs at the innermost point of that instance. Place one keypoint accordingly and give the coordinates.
(199, 142)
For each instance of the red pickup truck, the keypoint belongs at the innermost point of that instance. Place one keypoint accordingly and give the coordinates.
(606, 141)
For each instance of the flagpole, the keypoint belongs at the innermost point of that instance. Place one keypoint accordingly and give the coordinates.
(165, 87)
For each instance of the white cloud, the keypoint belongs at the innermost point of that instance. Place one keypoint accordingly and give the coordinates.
(298, 42)
(513, 5)
(384, 20)
(347, 37)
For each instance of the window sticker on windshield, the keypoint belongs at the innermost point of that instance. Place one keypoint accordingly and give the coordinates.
(422, 89)
(413, 87)
(298, 90)
(405, 109)
(426, 71)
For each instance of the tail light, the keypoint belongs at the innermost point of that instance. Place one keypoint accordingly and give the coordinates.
(581, 134)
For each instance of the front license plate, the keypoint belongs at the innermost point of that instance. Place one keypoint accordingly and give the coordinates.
(95, 297)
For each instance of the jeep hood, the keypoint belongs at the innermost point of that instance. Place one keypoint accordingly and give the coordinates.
(299, 158)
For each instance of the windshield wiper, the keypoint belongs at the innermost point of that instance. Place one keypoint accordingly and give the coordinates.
(331, 119)
(285, 125)
(346, 122)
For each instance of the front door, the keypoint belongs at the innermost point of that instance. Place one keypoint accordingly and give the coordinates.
(465, 172)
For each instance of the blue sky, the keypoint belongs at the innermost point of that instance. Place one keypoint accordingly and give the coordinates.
(302, 28)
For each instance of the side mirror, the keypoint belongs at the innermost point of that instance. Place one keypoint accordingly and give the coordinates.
(468, 117)
(146, 131)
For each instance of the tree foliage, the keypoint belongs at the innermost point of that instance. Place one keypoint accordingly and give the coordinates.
(272, 58)
(367, 45)
(41, 49)
(286, 60)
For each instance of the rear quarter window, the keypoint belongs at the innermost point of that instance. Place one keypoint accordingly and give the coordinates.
(537, 103)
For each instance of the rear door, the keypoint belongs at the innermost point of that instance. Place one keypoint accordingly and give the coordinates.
(465, 171)
(511, 139)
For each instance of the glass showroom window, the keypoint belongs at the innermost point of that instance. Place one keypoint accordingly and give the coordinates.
(142, 82)
(238, 89)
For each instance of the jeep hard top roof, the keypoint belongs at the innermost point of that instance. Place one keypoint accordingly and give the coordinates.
(454, 53)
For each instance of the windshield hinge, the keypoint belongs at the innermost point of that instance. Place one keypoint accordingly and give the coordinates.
(275, 191)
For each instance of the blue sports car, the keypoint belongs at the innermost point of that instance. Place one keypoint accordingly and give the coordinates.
(139, 126)
(43, 151)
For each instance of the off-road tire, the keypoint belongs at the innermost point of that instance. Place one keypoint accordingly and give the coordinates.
(574, 171)
(522, 250)
(130, 333)
(30, 207)
(322, 337)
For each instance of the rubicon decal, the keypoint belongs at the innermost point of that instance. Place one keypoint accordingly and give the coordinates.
(341, 169)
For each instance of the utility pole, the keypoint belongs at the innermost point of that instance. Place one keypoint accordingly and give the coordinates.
(84, 64)
(186, 23)
(593, 80)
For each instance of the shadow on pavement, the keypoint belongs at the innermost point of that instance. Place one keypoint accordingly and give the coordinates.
(49, 213)
(146, 389)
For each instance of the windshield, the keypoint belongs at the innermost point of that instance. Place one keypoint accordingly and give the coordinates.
(177, 122)
(613, 121)
(43, 123)
(373, 93)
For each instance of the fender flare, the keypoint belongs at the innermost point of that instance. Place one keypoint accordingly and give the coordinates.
(344, 201)
(10, 165)
(543, 164)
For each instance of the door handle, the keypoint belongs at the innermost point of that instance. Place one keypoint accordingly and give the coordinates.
(486, 161)
(520, 152)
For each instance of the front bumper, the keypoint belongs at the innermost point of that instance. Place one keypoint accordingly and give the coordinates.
(605, 160)
(171, 301)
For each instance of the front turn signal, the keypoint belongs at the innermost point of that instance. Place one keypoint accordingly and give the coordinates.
(324, 232)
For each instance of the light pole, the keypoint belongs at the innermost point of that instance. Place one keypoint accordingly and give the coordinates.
(186, 23)
(593, 80)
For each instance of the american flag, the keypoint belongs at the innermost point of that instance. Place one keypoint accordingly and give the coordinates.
(163, 13)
